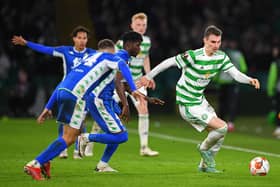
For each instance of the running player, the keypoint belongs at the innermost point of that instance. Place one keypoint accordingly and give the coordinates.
(71, 56)
(198, 69)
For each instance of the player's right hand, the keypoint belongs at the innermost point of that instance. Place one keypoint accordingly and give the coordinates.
(124, 116)
(46, 114)
(19, 40)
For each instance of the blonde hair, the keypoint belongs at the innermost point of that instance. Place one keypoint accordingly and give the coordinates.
(140, 15)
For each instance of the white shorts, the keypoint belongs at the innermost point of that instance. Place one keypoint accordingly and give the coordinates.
(199, 115)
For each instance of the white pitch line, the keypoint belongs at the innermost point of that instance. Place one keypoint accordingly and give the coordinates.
(187, 140)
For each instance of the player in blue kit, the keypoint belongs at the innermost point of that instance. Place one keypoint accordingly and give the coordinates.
(100, 102)
(71, 56)
(71, 95)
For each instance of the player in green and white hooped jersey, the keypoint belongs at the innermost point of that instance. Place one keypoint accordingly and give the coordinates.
(198, 69)
(136, 65)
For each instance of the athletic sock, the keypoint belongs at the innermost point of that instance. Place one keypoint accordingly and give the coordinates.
(213, 137)
(52, 151)
(143, 129)
(217, 146)
(108, 152)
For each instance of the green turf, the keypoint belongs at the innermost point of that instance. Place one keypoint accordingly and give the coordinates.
(22, 139)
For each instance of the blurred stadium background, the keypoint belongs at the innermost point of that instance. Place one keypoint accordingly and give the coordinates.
(173, 26)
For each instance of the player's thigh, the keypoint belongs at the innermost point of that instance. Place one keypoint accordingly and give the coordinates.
(141, 105)
(198, 116)
(70, 109)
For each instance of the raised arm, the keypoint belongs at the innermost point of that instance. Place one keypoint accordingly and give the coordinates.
(19, 40)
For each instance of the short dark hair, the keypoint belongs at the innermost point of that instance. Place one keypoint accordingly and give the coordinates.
(105, 44)
(212, 29)
(80, 29)
(131, 36)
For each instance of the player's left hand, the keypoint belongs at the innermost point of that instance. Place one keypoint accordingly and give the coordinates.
(255, 83)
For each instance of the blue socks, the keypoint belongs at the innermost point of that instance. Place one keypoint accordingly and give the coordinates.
(109, 151)
(52, 151)
(60, 133)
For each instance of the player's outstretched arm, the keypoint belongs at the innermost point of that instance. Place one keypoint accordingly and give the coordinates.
(147, 81)
(242, 78)
(19, 40)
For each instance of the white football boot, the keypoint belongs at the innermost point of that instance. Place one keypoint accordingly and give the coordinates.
(104, 167)
(63, 154)
(146, 151)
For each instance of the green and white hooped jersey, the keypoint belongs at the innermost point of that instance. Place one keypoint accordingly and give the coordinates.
(136, 63)
(198, 70)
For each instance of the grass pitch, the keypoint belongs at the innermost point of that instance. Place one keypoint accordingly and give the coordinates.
(21, 140)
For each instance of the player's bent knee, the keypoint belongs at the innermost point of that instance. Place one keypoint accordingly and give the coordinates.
(223, 130)
(123, 137)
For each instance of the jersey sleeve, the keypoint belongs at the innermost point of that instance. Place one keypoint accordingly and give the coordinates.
(40, 48)
(227, 64)
(59, 51)
(183, 59)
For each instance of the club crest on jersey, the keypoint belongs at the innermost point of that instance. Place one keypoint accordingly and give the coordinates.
(207, 75)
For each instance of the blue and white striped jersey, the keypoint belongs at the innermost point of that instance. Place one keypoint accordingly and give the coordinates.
(106, 91)
(93, 72)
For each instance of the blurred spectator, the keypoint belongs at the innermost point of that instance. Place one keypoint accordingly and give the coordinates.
(4, 65)
(273, 90)
(173, 26)
(22, 95)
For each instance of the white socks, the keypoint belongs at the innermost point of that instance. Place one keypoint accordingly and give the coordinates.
(214, 139)
(143, 129)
